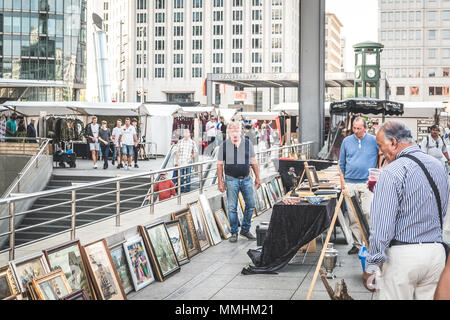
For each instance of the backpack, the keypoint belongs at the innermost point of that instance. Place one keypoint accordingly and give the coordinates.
(428, 141)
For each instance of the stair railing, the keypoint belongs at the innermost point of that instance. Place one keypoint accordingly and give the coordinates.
(265, 159)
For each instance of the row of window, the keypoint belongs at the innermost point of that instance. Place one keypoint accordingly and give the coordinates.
(415, 91)
(197, 58)
(432, 53)
(415, 35)
(414, 16)
(416, 73)
(178, 31)
(161, 4)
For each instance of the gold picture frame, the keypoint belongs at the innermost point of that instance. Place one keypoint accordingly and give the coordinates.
(52, 286)
(201, 229)
(223, 223)
(188, 229)
(27, 268)
(8, 284)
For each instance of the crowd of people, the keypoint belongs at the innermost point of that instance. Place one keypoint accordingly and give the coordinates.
(123, 141)
(13, 127)
(406, 211)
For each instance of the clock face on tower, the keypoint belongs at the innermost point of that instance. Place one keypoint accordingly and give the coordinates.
(358, 74)
(371, 73)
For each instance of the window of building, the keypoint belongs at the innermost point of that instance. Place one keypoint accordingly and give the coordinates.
(414, 91)
(218, 58)
(159, 72)
(178, 4)
(197, 44)
(431, 34)
(197, 3)
(197, 30)
(178, 72)
(160, 4)
(178, 58)
(237, 57)
(431, 53)
(197, 16)
(431, 15)
(431, 73)
(197, 58)
(196, 72)
(400, 91)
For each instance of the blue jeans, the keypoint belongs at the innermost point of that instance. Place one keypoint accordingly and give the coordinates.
(183, 180)
(245, 186)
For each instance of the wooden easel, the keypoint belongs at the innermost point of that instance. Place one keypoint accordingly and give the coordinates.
(344, 194)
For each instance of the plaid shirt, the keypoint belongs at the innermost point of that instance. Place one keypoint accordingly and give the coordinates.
(185, 149)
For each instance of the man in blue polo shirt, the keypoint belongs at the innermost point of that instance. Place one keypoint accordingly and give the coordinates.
(237, 154)
(359, 153)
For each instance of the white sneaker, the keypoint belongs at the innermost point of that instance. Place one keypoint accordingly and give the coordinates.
(125, 167)
(95, 166)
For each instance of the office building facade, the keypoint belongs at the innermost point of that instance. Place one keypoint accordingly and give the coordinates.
(44, 42)
(416, 57)
(167, 48)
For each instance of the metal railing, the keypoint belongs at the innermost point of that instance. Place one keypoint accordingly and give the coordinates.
(202, 170)
(34, 161)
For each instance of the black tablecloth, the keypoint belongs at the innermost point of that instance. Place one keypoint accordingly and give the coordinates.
(291, 227)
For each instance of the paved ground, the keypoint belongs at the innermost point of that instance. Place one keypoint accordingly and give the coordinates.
(85, 168)
(216, 275)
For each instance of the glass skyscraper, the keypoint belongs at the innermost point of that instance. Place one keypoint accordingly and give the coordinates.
(44, 40)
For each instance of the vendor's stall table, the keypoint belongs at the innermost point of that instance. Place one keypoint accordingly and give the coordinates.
(299, 166)
(291, 227)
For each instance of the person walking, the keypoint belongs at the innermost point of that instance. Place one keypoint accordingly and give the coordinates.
(31, 132)
(134, 123)
(104, 136)
(92, 130)
(186, 151)
(223, 128)
(128, 139)
(359, 153)
(406, 254)
(435, 146)
(236, 155)
(211, 133)
(117, 150)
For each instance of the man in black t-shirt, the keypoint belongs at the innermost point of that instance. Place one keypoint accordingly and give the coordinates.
(236, 155)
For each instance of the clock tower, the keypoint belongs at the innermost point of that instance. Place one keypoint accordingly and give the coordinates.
(367, 69)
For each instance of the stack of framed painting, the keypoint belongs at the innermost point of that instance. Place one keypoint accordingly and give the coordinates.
(188, 230)
(26, 269)
(178, 243)
(162, 255)
(68, 258)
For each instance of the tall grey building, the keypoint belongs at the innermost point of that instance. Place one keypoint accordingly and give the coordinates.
(43, 49)
(416, 58)
(167, 47)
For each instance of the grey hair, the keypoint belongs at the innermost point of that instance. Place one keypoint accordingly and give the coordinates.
(363, 121)
(398, 130)
(234, 124)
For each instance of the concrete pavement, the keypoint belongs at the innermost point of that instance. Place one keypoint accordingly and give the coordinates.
(215, 274)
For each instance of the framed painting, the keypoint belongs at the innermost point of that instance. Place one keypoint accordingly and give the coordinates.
(51, 286)
(188, 230)
(16, 297)
(261, 204)
(77, 295)
(272, 191)
(121, 264)
(200, 226)
(68, 258)
(8, 284)
(223, 223)
(27, 268)
(209, 218)
(160, 249)
(225, 204)
(265, 196)
(276, 188)
(138, 262)
(31, 291)
(102, 271)
(280, 186)
(269, 195)
(178, 243)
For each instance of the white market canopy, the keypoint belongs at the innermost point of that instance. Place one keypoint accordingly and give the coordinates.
(33, 109)
(256, 115)
(192, 111)
(227, 114)
(160, 110)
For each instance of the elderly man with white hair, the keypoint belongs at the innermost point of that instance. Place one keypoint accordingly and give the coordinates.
(406, 254)
(236, 155)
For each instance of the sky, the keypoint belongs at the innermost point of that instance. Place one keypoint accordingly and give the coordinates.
(360, 20)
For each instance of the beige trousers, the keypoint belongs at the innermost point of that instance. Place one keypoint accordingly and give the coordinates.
(411, 272)
(366, 200)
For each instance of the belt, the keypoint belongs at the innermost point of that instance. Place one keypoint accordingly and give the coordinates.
(241, 177)
(400, 243)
